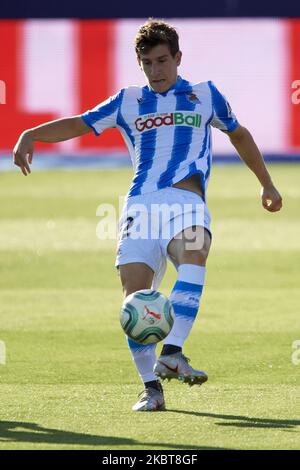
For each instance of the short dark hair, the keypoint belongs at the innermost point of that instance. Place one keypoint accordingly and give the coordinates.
(155, 32)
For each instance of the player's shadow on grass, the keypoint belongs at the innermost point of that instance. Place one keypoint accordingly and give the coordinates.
(14, 431)
(245, 421)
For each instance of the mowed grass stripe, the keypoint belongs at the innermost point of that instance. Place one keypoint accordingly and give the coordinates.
(221, 310)
(82, 234)
(218, 417)
(48, 235)
(76, 269)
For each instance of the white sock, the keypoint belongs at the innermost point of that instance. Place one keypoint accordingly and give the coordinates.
(144, 358)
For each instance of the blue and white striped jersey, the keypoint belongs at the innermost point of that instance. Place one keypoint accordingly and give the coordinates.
(167, 134)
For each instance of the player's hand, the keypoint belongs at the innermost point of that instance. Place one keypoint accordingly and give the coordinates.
(271, 199)
(23, 153)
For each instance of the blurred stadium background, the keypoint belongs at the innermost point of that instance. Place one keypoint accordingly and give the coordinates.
(59, 67)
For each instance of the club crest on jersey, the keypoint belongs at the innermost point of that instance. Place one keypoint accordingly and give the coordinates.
(179, 118)
(193, 98)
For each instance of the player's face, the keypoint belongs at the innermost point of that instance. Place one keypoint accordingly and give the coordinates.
(160, 67)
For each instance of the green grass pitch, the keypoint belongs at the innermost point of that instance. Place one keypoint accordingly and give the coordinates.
(68, 381)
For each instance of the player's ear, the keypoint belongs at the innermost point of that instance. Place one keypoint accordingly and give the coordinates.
(178, 57)
(139, 61)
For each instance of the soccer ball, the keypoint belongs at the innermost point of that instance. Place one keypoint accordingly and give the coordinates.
(147, 316)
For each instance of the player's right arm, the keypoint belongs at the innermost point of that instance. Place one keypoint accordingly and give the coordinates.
(54, 131)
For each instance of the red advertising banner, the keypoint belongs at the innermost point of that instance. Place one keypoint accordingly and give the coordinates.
(55, 68)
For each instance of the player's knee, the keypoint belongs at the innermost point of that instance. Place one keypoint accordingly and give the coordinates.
(131, 284)
(130, 288)
(194, 247)
(134, 277)
(194, 256)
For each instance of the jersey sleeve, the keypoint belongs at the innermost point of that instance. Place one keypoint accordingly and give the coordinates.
(104, 115)
(222, 116)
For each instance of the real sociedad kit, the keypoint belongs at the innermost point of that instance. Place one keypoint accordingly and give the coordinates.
(168, 137)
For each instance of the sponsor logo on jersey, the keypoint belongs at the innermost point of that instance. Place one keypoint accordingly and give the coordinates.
(179, 118)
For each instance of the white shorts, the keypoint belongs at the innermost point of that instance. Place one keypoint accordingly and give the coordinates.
(150, 221)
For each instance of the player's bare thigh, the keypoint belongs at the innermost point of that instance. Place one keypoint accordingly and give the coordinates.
(135, 276)
(191, 246)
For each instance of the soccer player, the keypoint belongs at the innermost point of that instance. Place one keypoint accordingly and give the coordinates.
(166, 126)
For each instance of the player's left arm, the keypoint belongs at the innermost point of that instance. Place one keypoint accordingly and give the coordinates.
(247, 149)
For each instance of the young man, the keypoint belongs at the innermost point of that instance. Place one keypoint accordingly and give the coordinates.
(166, 126)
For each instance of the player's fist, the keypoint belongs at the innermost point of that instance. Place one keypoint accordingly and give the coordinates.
(271, 199)
(23, 152)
